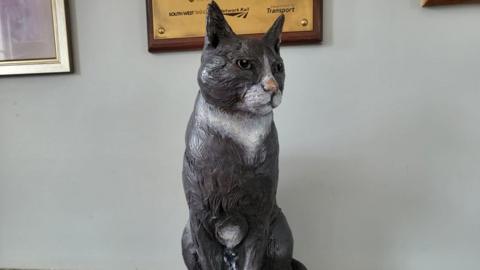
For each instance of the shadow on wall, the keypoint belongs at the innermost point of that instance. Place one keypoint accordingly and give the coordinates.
(74, 39)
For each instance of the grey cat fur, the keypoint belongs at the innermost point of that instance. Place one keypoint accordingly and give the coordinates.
(230, 171)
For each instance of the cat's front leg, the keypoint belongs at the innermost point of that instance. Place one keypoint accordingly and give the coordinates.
(210, 252)
(254, 246)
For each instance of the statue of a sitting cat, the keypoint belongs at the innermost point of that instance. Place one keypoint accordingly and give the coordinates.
(230, 171)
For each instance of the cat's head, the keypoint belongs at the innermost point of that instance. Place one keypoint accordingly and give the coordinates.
(241, 74)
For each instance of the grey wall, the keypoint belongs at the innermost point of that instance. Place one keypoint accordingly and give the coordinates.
(379, 131)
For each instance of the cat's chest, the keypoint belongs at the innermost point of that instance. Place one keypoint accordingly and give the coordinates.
(249, 133)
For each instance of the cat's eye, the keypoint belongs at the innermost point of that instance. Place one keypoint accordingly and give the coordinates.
(279, 67)
(244, 64)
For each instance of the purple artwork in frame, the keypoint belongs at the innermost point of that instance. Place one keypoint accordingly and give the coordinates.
(33, 37)
(26, 30)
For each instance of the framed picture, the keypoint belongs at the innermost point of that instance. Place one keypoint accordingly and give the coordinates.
(180, 25)
(34, 37)
(426, 3)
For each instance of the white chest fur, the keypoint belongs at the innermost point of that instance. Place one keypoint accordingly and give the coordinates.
(248, 131)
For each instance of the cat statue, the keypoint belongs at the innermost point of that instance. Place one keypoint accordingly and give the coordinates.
(230, 169)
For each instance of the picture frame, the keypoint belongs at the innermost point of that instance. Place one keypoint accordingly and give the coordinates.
(34, 37)
(426, 3)
(244, 10)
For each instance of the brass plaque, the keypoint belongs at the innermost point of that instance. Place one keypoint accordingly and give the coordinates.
(185, 18)
(181, 23)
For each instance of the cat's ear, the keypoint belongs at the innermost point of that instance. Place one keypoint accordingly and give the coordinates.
(273, 37)
(217, 27)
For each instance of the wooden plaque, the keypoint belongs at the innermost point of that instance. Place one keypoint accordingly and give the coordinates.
(447, 2)
(180, 24)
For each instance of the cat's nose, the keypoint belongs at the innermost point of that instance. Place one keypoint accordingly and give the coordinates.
(270, 85)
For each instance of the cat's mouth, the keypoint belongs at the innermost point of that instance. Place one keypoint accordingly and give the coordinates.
(271, 104)
(257, 100)
(276, 99)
